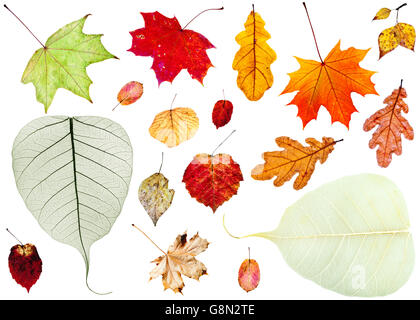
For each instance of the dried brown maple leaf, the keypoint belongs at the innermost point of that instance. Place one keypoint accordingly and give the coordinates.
(391, 124)
(295, 158)
(180, 260)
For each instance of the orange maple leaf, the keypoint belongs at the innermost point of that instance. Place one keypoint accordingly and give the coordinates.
(295, 158)
(391, 124)
(330, 83)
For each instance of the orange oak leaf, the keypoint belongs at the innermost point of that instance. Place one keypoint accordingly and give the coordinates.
(295, 158)
(212, 180)
(330, 83)
(391, 124)
(180, 259)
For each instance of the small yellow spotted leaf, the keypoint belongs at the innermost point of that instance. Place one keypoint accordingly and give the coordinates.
(254, 58)
(155, 196)
(402, 34)
(174, 126)
(382, 14)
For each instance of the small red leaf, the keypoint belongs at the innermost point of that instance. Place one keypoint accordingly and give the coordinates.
(25, 265)
(212, 180)
(222, 113)
(249, 275)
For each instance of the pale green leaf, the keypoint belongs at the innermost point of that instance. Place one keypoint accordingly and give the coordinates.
(73, 174)
(63, 61)
(350, 236)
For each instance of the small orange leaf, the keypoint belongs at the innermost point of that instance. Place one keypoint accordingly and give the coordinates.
(391, 124)
(129, 93)
(295, 158)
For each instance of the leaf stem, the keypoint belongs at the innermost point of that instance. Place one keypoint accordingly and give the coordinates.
(221, 8)
(313, 32)
(398, 10)
(118, 104)
(25, 26)
(172, 103)
(401, 83)
(220, 144)
(149, 239)
(338, 141)
(14, 236)
(161, 163)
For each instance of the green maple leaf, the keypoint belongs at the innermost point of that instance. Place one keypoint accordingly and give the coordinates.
(62, 62)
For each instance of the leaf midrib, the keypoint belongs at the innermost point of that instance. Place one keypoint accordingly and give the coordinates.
(73, 151)
(336, 235)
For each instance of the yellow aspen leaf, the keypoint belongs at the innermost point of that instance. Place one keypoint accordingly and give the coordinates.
(254, 58)
(382, 14)
(174, 126)
(155, 196)
(295, 158)
(402, 34)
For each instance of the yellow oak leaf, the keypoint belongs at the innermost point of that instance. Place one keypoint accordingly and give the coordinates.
(254, 58)
(174, 126)
(295, 158)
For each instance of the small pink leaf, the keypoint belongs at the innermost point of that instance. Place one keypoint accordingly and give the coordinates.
(249, 275)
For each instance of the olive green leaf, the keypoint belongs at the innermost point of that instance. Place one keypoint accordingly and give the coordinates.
(155, 196)
(73, 174)
(62, 62)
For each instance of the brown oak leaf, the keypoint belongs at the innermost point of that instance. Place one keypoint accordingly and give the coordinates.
(180, 259)
(391, 124)
(295, 158)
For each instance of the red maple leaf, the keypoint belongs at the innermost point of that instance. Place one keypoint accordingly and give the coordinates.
(173, 48)
(222, 113)
(212, 180)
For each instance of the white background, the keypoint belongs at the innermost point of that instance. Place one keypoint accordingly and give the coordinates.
(120, 262)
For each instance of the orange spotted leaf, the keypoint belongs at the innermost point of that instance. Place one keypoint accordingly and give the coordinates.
(330, 84)
(391, 125)
(212, 180)
(295, 158)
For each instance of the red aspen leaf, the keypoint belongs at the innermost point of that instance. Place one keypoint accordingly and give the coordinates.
(295, 158)
(129, 93)
(25, 265)
(212, 180)
(172, 48)
(391, 124)
(330, 83)
(249, 275)
(222, 113)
